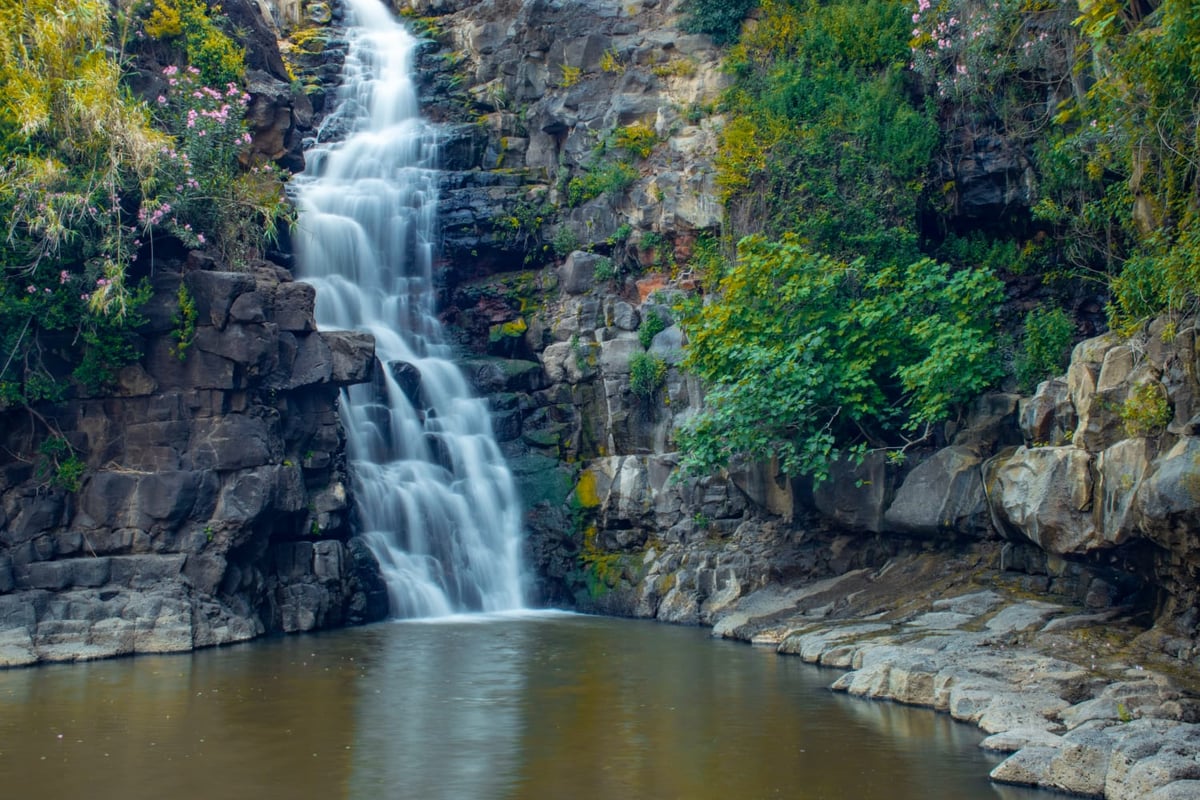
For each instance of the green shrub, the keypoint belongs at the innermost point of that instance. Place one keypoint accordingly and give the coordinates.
(1147, 411)
(208, 48)
(652, 325)
(637, 140)
(59, 465)
(720, 19)
(647, 374)
(610, 180)
(1049, 334)
(565, 241)
(605, 270)
(824, 137)
(185, 322)
(806, 357)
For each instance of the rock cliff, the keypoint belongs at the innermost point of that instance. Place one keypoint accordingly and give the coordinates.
(566, 297)
(213, 507)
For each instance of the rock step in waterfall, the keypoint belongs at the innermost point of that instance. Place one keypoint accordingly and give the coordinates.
(434, 497)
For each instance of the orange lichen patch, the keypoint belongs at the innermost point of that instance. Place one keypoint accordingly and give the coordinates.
(650, 284)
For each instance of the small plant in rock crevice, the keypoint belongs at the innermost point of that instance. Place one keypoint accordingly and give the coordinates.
(1045, 347)
(59, 465)
(652, 325)
(185, 323)
(647, 374)
(1147, 410)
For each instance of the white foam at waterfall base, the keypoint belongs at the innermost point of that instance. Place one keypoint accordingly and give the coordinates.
(433, 495)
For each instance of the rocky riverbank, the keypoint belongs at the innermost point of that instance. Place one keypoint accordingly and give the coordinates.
(1084, 701)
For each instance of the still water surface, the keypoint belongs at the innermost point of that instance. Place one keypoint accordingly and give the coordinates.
(536, 707)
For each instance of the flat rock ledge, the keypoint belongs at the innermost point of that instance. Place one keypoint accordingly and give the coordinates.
(1076, 697)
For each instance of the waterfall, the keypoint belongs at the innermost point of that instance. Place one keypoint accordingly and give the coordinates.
(434, 497)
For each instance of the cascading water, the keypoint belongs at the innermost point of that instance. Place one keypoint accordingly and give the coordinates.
(434, 497)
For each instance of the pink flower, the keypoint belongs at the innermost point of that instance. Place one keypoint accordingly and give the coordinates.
(30, 289)
(171, 70)
(200, 238)
(63, 277)
(162, 101)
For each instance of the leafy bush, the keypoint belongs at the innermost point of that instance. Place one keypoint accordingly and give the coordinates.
(207, 47)
(570, 76)
(565, 241)
(1147, 411)
(1049, 334)
(605, 270)
(652, 325)
(807, 357)
(610, 180)
(610, 62)
(204, 188)
(647, 374)
(637, 139)
(720, 19)
(824, 137)
(59, 465)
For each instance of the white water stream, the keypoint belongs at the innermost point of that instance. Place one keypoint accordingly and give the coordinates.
(434, 497)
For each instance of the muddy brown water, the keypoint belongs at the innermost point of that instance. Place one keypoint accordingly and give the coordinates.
(533, 706)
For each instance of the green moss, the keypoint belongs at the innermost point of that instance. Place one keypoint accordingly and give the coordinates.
(508, 330)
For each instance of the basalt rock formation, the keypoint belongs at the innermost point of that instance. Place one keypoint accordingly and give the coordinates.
(214, 505)
(1080, 491)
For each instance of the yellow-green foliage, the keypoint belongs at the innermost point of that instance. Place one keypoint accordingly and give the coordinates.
(570, 76)
(185, 323)
(508, 330)
(637, 139)
(675, 68)
(1147, 411)
(1133, 210)
(71, 139)
(742, 156)
(602, 568)
(164, 21)
(611, 62)
(219, 59)
(824, 136)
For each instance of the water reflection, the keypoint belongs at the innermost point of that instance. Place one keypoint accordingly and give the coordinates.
(535, 708)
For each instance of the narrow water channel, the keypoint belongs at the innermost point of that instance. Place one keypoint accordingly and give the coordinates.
(529, 707)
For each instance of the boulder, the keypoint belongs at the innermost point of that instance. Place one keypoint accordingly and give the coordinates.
(1044, 494)
(1048, 417)
(1120, 470)
(352, 356)
(1168, 500)
(943, 494)
(855, 495)
(578, 273)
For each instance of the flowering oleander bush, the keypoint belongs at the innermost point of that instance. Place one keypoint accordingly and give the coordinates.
(992, 52)
(91, 178)
(204, 195)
